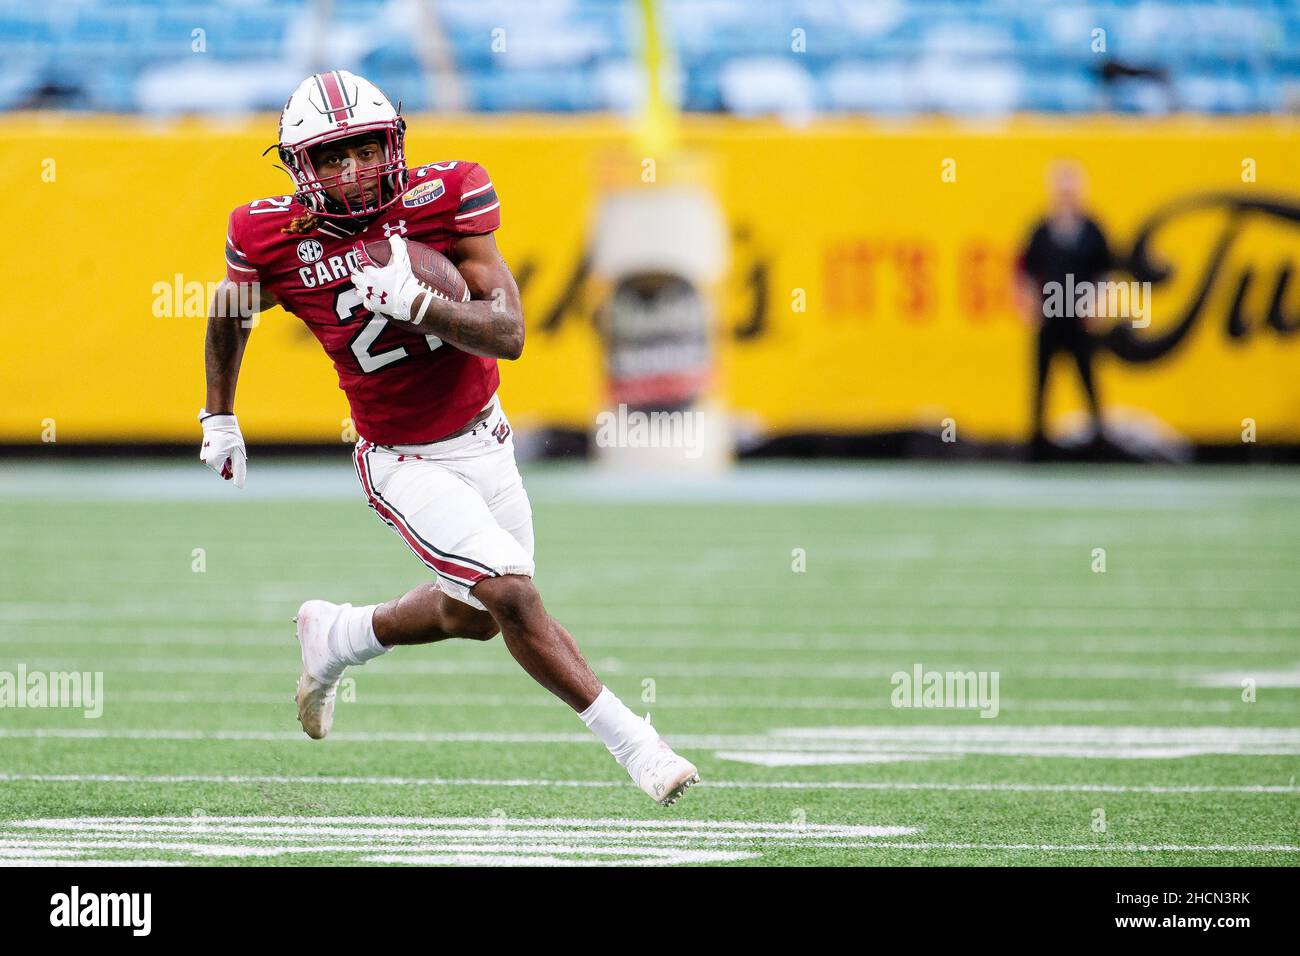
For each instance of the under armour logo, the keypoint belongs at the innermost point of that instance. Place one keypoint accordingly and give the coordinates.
(395, 228)
(370, 294)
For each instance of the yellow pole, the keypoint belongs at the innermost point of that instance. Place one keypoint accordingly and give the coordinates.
(657, 126)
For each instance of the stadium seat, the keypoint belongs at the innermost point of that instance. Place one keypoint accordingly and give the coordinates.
(885, 56)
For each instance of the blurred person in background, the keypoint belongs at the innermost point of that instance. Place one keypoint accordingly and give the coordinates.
(1067, 247)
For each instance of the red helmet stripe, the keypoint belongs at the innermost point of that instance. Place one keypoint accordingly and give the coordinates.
(334, 101)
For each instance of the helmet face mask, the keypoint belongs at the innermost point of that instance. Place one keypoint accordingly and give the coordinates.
(334, 106)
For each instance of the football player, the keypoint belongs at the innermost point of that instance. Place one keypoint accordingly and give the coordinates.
(435, 458)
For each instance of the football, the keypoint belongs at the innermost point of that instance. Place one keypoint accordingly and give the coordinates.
(434, 270)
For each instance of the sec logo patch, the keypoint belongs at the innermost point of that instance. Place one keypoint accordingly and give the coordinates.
(309, 250)
(423, 193)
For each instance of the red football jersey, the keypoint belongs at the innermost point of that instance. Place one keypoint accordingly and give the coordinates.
(402, 390)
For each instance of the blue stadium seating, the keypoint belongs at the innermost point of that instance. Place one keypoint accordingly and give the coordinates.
(874, 56)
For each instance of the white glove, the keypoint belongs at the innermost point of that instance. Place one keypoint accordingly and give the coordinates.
(223, 447)
(389, 289)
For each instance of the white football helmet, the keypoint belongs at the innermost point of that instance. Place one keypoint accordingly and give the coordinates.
(340, 105)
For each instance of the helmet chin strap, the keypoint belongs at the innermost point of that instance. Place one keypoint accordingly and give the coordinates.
(332, 205)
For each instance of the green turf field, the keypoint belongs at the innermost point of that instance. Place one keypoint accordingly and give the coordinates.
(1121, 735)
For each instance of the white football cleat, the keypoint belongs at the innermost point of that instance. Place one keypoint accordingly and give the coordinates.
(318, 684)
(663, 774)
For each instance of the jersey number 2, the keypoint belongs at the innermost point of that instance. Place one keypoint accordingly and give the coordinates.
(348, 307)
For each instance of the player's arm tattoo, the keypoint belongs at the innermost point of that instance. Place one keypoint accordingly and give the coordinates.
(223, 347)
(492, 323)
(474, 327)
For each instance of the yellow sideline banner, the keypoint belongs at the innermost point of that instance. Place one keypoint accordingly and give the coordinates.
(870, 287)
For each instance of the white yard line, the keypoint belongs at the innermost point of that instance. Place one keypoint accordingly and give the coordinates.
(375, 781)
(414, 737)
(414, 840)
(10, 849)
(494, 859)
(742, 616)
(1093, 847)
(786, 758)
(989, 627)
(527, 853)
(44, 862)
(413, 854)
(1130, 645)
(984, 737)
(810, 746)
(280, 824)
(368, 698)
(498, 840)
(863, 744)
(795, 483)
(1260, 677)
(1009, 665)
